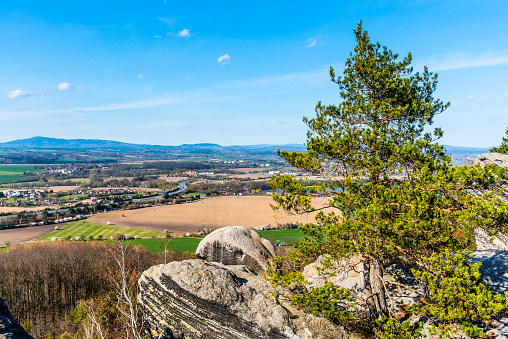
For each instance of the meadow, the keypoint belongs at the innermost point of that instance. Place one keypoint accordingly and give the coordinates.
(12, 173)
(85, 229)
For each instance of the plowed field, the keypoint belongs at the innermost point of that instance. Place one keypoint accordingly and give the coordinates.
(249, 211)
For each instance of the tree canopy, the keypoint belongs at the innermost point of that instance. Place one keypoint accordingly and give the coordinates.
(393, 192)
(503, 148)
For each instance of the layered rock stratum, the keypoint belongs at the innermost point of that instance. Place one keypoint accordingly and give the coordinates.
(198, 299)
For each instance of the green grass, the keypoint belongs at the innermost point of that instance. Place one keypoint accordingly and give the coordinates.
(79, 228)
(177, 244)
(5, 179)
(289, 237)
(18, 169)
(11, 173)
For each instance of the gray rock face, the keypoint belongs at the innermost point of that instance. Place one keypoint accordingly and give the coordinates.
(492, 158)
(9, 327)
(197, 299)
(486, 242)
(236, 245)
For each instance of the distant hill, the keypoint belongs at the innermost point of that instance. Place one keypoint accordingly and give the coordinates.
(36, 143)
(54, 143)
(39, 142)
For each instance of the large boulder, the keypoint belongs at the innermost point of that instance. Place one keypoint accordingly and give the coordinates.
(9, 327)
(197, 299)
(236, 245)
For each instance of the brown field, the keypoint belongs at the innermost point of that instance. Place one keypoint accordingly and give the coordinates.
(24, 234)
(7, 209)
(249, 211)
(173, 179)
(249, 169)
(119, 178)
(251, 176)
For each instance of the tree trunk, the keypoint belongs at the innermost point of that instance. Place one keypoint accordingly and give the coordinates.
(374, 288)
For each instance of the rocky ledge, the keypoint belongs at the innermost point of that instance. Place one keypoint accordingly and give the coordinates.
(198, 299)
(9, 327)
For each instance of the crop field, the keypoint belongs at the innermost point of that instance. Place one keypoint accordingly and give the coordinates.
(86, 229)
(11, 173)
(23, 234)
(213, 213)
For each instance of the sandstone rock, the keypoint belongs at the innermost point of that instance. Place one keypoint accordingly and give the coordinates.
(9, 327)
(349, 273)
(197, 299)
(236, 245)
(483, 239)
(492, 158)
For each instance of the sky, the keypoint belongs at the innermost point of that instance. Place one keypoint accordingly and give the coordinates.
(234, 72)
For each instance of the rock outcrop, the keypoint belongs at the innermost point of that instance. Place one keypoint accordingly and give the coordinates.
(492, 158)
(9, 327)
(236, 245)
(198, 299)
(484, 241)
(350, 274)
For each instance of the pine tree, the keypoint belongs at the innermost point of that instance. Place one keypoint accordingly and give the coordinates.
(393, 192)
(503, 148)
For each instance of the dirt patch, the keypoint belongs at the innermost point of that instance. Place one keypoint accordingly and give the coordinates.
(251, 176)
(119, 178)
(173, 179)
(23, 234)
(249, 211)
(7, 209)
(249, 169)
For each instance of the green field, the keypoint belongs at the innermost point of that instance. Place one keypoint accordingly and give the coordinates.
(17, 169)
(289, 237)
(11, 173)
(177, 244)
(86, 229)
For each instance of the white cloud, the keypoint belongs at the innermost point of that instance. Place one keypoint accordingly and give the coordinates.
(226, 91)
(457, 60)
(185, 33)
(157, 36)
(64, 86)
(224, 59)
(470, 97)
(168, 21)
(17, 93)
(141, 76)
(311, 42)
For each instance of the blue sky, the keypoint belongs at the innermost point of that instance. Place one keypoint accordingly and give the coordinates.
(234, 72)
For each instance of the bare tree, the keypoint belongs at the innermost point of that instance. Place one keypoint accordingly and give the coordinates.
(126, 292)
